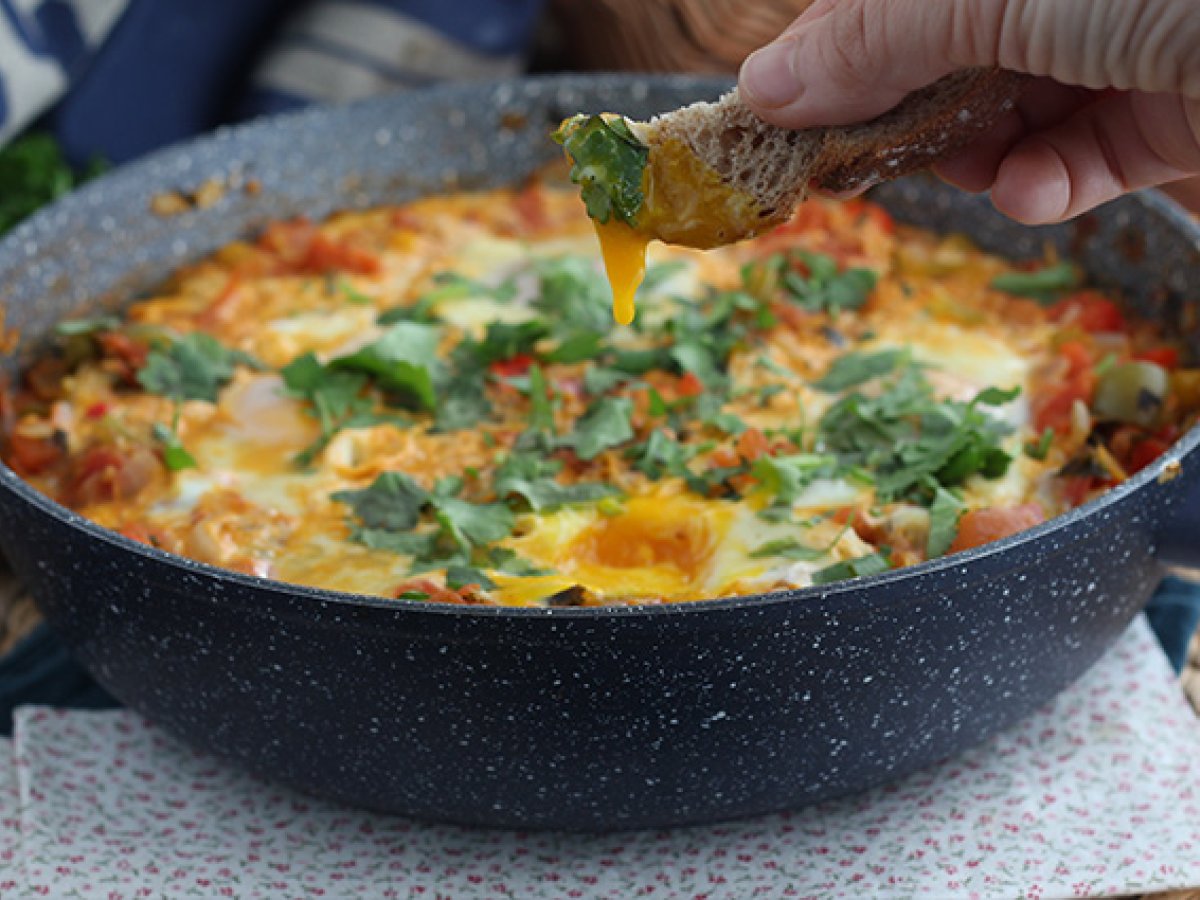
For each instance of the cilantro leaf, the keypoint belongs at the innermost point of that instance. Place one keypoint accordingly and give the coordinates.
(944, 514)
(175, 455)
(336, 397)
(872, 564)
(458, 576)
(573, 294)
(789, 548)
(1045, 285)
(1040, 448)
(608, 164)
(462, 402)
(469, 524)
(403, 361)
(785, 477)
(541, 406)
(853, 369)
(194, 367)
(605, 424)
(91, 325)
(392, 502)
(661, 455)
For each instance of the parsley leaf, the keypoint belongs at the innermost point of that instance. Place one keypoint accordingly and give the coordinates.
(605, 424)
(661, 455)
(541, 406)
(608, 162)
(194, 367)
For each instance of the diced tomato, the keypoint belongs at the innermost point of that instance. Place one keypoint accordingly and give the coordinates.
(1167, 357)
(1075, 490)
(1091, 311)
(689, 385)
(326, 254)
(871, 212)
(125, 350)
(105, 473)
(44, 378)
(530, 206)
(224, 305)
(510, 368)
(982, 526)
(811, 215)
(752, 444)
(1053, 405)
(302, 248)
(1145, 452)
(96, 411)
(433, 592)
(140, 532)
(32, 456)
(724, 458)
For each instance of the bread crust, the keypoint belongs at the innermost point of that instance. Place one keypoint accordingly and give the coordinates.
(778, 166)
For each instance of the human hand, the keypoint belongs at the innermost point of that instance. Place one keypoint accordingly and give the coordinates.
(1116, 106)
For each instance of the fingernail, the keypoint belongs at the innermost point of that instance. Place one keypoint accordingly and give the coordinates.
(768, 77)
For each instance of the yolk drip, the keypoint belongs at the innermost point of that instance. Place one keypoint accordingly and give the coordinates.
(624, 252)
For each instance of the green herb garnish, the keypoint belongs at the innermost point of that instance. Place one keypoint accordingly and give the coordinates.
(608, 162)
(1044, 285)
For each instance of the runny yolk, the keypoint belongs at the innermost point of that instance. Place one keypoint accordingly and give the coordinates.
(624, 252)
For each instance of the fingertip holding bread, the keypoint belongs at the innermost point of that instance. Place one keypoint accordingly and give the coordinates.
(714, 172)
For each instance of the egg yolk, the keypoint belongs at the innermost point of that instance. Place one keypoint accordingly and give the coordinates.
(624, 253)
(648, 541)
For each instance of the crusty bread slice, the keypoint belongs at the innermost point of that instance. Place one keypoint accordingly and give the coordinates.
(777, 166)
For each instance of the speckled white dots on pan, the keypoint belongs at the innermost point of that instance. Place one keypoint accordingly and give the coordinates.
(568, 718)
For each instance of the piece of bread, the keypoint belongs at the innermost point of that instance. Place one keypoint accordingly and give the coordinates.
(777, 166)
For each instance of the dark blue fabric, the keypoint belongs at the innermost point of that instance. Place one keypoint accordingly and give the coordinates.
(39, 670)
(167, 71)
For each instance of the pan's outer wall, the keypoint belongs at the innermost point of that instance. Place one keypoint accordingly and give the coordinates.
(571, 719)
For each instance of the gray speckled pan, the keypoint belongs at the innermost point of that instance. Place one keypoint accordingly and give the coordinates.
(570, 718)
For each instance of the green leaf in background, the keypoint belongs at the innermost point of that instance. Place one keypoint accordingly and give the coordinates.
(33, 172)
(1044, 285)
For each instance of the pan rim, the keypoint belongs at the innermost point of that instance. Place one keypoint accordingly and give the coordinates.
(853, 595)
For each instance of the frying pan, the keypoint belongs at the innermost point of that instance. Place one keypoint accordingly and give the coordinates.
(575, 718)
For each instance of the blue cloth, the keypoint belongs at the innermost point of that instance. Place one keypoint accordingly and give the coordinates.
(117, 78)
(40, 670)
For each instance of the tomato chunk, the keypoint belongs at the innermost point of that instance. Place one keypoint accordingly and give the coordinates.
(32, 456)
(982, 526)
(1052, 407)
(1167, 357)
(1091, 311)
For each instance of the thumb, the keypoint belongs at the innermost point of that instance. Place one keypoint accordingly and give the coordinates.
(846, 61)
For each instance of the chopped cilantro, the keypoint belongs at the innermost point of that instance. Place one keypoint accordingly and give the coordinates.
(175, 455)
(904, 435)
(661, 455)
(1044, 285)
(392, 502)
(789, 548)
(825, 289)
(605, 424)
(1040, 448)
(403, 362)
(784, 477)
(353, 294)
(193, 367)
(872, 564)
(541, 404)
(853, 369)
(458, 576)
(608, 162)
(412, 595)
(944, 514)
(92, 325)
(337, 399)
(533, 478)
